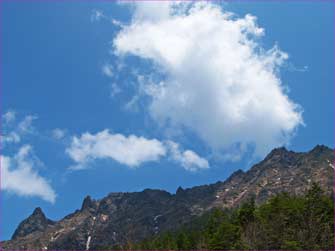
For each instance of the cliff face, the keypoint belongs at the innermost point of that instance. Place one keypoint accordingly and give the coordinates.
(129, 217)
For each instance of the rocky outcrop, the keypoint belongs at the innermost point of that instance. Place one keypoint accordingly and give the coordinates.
(37, 222)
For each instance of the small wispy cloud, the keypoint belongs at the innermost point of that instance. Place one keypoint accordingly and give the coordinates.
(107, 70)
(25, 126)
(132, 104)
(58, 133)
(117, 23)
(115, 90)
(292, 68)
(131, 151)
(187, 159)
(13, 130)
(97, 15)
(9, 117)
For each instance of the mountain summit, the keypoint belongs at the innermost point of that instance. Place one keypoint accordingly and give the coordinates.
(36, 222)
(131, 217)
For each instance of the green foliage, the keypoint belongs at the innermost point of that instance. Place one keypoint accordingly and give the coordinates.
(246, 214)
(284, 222)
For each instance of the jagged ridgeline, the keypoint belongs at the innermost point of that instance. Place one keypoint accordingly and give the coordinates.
(283, 202)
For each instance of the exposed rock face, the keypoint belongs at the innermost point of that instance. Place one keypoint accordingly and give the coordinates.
(37, 222)
(89, 204)
(123, 217)
(280, 171)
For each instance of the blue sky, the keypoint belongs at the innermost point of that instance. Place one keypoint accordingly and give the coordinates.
(80, 78)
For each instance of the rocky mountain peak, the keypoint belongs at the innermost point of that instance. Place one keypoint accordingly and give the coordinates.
(37, 221)
(321, 149)
(38, 212)
(281, 156)
(237, 173)
(180, 190)
(280, 151)
(88, 203)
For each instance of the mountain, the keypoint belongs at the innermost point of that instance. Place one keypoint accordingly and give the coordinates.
(120, 218)
(37, 222)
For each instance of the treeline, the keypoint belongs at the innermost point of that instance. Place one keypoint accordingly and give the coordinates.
(284, 222)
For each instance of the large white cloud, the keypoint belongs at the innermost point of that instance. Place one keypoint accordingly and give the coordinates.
(130, 150)
(218, 80)
(18, 176)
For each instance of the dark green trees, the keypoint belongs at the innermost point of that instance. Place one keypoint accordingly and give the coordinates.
(284, 222)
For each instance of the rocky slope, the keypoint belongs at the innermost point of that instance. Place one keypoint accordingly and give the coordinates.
(130, 217)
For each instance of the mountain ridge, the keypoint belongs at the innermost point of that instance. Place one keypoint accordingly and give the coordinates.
(133, 216)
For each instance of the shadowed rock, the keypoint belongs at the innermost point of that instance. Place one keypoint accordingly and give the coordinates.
(36, 222)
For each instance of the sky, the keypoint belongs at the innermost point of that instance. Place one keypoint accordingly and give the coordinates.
(101, 97)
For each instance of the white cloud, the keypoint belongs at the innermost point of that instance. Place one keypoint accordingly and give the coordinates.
(107, 70)
(116, 23)
(97, 15)
(9, 117)
(18, 176)
(58, 133)
(152, 11)
(131, 151)
(25, 126)
(13, 132)
(18, 171)
(115, 90)
(11, 137)
(218, 80)
(188, 159)
(292, 68)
